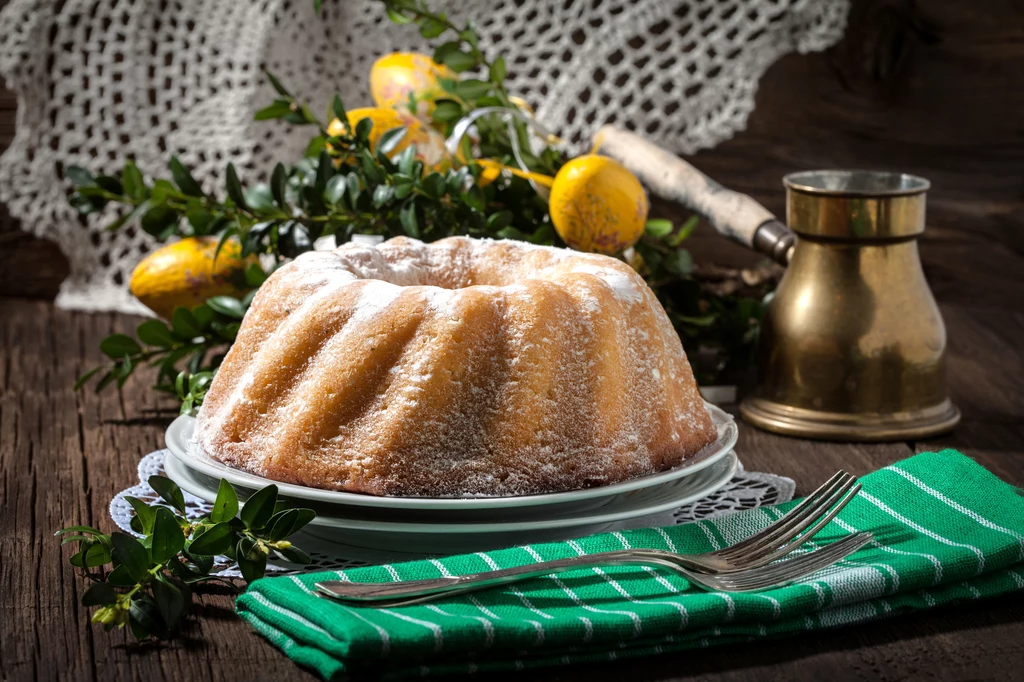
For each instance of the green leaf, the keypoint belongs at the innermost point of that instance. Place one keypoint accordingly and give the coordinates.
(104, 381)
(406, 159)
(168, 539)
(96, 555)
(352, 189)
(294, 555)
(373, 172)
(335, 189)
(447, 110)
(117, 346)
(431, 28)
(407, 216)
(75, 538)
(403, 186)
(183, 178)
(131, 554)
(79, 176)
(658, 228)
(144, 513)
(155, 333)
(259, 198)
(168, 491)
(225, 506)
(255, 275)
(252, 567)
(226, 305)
(317, 145)
(216, 539)
(679, 263)
(685, 231)
(434, 185)
(184, 324)
(469, 36)
(278, 183)
(339, 112)
(472, 88)
(498, 69)
(144, 618)
(234, 187)
(134, 184)
(171, 600)
(459, 61)
(287, 522)
(259, 508)
(499, 221)
(276, 84)
(363, 129)
(396, 16)
(120, 577)
(85, 377)
(382, 194)
(474, 198)
(203, 316)
(200, 220)
(324, 171)
(99, 594)
(444, 49)
(158, 218)
(79, 529)
(110, 184)
(390, 139)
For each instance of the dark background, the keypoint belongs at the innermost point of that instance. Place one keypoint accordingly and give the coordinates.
(933, 88)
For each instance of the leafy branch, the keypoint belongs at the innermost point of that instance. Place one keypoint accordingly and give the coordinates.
(198, 337)
(147, 583)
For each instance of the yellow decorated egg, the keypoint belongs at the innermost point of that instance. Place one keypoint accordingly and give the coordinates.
(394, 78)
(597, 205)
(429, 143)
(185, 273)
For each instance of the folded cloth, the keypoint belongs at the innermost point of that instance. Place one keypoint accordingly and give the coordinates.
(946, 530)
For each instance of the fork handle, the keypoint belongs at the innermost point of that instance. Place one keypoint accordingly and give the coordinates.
(382, 592)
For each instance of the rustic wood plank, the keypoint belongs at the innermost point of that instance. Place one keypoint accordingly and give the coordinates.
(63, 456)
(930, 88)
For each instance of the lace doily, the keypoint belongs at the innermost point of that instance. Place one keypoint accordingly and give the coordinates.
(98, 81)
(747, 490)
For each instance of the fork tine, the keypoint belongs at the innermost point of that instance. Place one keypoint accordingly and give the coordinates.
(781, 531)
(794, 569)
(796, 564)
(797, 540)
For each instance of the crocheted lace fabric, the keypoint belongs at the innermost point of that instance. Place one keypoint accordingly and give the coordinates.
(101, 80)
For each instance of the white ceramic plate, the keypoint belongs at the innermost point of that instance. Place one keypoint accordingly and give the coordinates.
(181, 442)
(356, 527)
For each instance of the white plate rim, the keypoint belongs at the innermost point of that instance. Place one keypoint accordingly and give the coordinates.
(180, 441)
(730, 466)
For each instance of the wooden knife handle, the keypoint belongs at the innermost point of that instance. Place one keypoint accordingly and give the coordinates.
(734, 215)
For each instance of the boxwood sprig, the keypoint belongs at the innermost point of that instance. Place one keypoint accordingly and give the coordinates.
(146, 583)
(186, 352)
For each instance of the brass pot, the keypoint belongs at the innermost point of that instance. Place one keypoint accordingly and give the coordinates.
(853, 345)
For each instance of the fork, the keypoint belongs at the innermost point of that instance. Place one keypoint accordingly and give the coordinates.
(410, 592)
(744, 566)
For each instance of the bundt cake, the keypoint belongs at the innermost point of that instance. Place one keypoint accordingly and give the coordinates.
(463, 367)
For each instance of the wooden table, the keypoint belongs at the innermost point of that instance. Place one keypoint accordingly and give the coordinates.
(63, 455)
(933, 88)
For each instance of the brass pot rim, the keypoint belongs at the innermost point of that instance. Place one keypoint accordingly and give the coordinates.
(883, 183)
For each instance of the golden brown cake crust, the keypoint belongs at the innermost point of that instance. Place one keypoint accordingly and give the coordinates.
(458, 368)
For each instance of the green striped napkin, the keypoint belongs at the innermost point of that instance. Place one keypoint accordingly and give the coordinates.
(946, 530)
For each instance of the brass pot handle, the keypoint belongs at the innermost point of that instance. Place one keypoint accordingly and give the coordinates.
(733, 214)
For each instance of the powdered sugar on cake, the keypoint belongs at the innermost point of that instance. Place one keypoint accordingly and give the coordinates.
(462, 367)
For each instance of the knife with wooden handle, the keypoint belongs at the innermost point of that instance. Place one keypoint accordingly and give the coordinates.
(734, 215)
